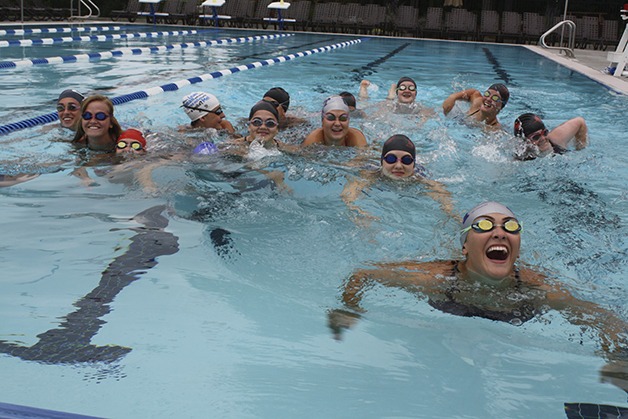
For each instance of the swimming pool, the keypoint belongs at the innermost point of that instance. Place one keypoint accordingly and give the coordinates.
(243, 333)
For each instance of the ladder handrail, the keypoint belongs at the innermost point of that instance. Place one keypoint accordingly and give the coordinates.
(571, 39)
(88, 4)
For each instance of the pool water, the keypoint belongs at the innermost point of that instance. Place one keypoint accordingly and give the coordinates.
(183, 327)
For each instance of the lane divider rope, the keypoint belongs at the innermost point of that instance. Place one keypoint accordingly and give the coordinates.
(50, 41)
(132, 51)
(5, 32)
(170, 87)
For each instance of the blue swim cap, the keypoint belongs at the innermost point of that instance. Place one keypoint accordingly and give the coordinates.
(205, 148)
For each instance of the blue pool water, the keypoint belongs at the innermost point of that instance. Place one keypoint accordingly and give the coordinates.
(244, 333)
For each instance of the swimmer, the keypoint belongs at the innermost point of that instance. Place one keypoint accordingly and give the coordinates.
(263, 127)
(351, 102)
(69, 108)
(98, 129)
(131, 141)
(280, 99)
(539, 141)
(335, 129)
(397, 161)
(204, 111)
(484, 106)
(403, 95)
(487, 283)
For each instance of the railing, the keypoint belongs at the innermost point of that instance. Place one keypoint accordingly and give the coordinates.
(571, 39)
(89, 5)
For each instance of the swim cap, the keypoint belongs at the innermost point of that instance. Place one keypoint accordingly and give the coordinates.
(334, 103)
(73, 94)
(398, 142)
(262, 105)
(281, 96)
(503, 92)
(198, 104)
(205, 148)
(482, 209)
(348, 98)
(401, 80)
(527, 123)
(133, 134)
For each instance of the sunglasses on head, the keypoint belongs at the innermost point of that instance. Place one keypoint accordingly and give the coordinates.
(392, 159)
(403, 87)
(331, 117)
(216, 111)
(135, 145)
(100, 116)
(71, 107)
(484, 225)
(494, 97)
(258, 122)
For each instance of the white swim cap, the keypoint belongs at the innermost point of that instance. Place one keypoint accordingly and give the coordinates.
(198, 104)
(335, 103)
(482, 209)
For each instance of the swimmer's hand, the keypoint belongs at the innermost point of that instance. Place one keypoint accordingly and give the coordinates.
(364, 84)
(338, 320)
(616, 373)
(448, 105)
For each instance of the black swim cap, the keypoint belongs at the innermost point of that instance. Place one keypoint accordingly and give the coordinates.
(401, 80)
(281, 96)
(399, 142)
(528, 123)
(262, 105)
(348, 98)
(503, 92)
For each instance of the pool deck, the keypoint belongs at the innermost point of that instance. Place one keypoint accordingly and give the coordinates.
(590, 63)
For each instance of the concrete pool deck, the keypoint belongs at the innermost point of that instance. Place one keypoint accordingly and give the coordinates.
(590, 63)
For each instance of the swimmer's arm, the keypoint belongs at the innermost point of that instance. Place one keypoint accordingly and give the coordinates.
(14, 180)
(363, 93)
(574, 128)
(226, 125)
(351, 192)
(315, 137)
(440, 194)
(392, 92)
(468, 95)
(611, 329)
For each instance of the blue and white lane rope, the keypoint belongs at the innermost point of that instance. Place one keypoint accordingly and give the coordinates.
(133, 51)
(170, 87)
(5, 32)
(50, 41)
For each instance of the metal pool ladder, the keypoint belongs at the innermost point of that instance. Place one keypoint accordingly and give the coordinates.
(571, 39)
(89, 5)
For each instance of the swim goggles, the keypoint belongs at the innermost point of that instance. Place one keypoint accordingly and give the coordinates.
(403, 87)
(269, 123)
(216, 111)
(494, 98)
(71, 107)
(536, 135)
(135, 145)
(331, 117)
(484, 225)
(392, 159)
(100, 116)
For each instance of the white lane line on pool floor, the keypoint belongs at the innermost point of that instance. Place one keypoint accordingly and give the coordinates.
(132, 51)
(90, 38)
(143, 94)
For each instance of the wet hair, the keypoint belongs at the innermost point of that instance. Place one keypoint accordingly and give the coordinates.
(527, 123)
(398, 142)
(401, 80)
(348, 98)
(280, 95)
(263, 105)
(503, 92)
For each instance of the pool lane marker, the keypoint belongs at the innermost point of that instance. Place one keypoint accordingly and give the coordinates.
(170, 87)
(50, 41)
(133, 51)
(5, 32)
